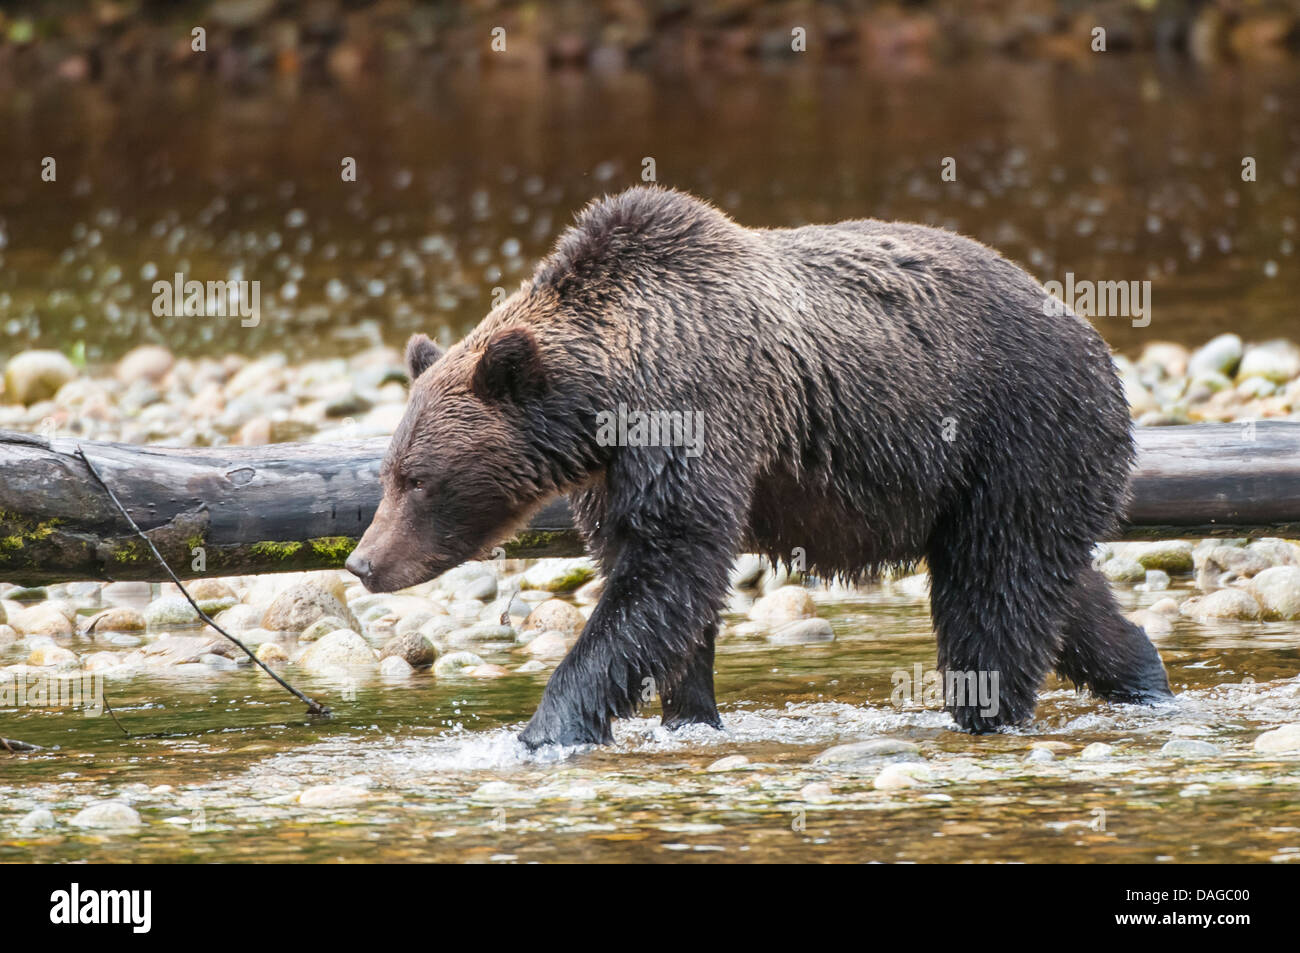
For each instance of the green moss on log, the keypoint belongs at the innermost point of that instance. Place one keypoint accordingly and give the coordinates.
(533, 542)
(21, 531)
(276, 551)
(130, 551)
(333, 549)
(18, 531)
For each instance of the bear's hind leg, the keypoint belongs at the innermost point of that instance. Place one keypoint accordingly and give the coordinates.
(689, 700)
(1105, 651)
(996, 613)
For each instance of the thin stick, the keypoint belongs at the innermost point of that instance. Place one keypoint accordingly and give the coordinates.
(112, 714)
(313, 707)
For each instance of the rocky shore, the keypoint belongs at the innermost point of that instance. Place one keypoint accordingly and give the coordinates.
(118, 41)
(492, 619)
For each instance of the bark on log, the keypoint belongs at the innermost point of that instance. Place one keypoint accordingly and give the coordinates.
(303, 506)
(1238, 479)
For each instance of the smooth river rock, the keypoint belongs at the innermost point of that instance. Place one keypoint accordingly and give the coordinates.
(170, 612)
(1222, 604)
(303, 603)
(549, 645)
(457, 663)
(38, 819)
(894, 777)
(559, 575)
(340, 651)
(108, 815)
(802, 631)
(1284, 740)
(1277, 590)
(1188, 748)
(36, 375)
(787, 604)
(1172, 556)
(1220, 355)
(43, 619)
(412, 648)
(395, 667)
(1123, 569)
(1097, 751)
(860, 755)
(732, 762)
(553, 615)
(118, 619)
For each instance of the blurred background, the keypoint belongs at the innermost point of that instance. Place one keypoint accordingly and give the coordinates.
(225, 162)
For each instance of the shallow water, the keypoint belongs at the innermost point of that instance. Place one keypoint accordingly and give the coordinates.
(444, 779)
(1125, 170)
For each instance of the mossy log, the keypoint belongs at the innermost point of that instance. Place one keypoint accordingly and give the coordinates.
(238, 510)
(210, 511)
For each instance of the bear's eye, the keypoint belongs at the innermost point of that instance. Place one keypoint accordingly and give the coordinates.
(417, 484)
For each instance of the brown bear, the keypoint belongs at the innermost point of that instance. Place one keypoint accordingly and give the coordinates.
(868, 393)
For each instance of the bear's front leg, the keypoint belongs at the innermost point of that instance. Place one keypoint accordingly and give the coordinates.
(659, 603)
(690, 700)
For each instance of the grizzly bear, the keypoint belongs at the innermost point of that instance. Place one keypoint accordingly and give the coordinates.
(868, 393)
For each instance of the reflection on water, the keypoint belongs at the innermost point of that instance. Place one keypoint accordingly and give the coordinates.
(1123, 171)
(430, 769)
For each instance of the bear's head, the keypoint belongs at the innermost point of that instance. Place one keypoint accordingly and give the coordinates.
(463, 468)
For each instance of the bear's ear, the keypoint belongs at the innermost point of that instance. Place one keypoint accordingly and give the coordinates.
(420, 354)
(510, 368)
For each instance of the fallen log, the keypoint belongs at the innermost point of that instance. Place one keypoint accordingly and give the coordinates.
(210, 511)
(1222, 480)
(239, 510)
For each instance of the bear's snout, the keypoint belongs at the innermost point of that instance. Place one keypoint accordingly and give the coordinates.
(359, 565)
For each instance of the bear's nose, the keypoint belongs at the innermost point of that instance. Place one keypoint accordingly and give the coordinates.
(358, 565)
